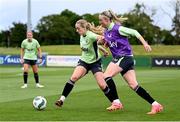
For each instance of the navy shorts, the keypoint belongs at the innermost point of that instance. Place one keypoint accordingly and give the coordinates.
(93, 67)
(125, 62)
(30, 62)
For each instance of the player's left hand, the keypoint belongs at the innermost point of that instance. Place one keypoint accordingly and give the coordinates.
(147, 47)
(105, 44)
(22, 61)
(40, 60)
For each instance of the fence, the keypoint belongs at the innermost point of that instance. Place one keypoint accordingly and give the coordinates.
(71, 61)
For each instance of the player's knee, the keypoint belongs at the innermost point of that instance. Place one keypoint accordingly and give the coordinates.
(25, 69)
(102, 85)
(74, 78)
(133, 85)
(35, 71)
(106, 75)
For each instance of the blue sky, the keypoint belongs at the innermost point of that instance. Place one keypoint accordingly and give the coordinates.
(16, 10)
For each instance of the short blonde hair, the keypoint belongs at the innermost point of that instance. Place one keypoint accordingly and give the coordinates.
(90, 26)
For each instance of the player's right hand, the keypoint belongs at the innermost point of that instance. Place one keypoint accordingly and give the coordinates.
(147, 47)
(22, 61)
(106, 54)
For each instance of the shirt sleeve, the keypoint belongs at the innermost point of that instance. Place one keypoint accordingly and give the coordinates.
(38, 45)
(129, 32)
(22, 45)
(93, 37)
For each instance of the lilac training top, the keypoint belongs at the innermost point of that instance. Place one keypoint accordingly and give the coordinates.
(118, 44)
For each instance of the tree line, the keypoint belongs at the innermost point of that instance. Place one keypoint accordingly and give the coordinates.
(58, 29)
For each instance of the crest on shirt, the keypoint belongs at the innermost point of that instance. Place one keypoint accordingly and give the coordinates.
(109, 35)
(87, 41)
(84, 49)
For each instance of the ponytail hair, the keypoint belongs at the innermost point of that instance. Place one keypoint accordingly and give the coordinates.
(90, 26)
(96, 29)
(113, 17)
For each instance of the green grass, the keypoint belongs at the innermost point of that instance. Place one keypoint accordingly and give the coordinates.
(86, 102)
(158, 50)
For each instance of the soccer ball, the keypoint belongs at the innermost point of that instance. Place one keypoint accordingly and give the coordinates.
(39, 103)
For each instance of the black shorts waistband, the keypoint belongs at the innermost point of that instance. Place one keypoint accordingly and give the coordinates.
(117, 57)
(91, 63)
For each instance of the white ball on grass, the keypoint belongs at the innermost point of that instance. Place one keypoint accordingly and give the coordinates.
(39, 103)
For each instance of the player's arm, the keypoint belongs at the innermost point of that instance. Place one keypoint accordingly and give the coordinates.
(22, 52)
(131, 32)
(95, 37)
(39, 53)
(22, 55)
(39, 49)
(100, 39)
(103, 50)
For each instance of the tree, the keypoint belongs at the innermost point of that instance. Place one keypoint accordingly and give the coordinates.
(167, 38)
(175, 6)
(73, 17)
(59, 28)
(4, 38)
(55, 29)
(176, 21)
(91, 18)
(1, 39)
(17, 34)
(138, 19)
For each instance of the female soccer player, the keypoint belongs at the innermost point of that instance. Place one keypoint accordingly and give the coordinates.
(90, 61)
(29, 48)
(116, 39)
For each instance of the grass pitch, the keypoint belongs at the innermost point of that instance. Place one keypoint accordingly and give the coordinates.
(87, 102)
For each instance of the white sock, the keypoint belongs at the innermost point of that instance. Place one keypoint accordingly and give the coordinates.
(62, 98)
(25, 84)
(155, 103)
(116, 101)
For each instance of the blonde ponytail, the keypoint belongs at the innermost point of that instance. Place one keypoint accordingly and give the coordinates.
(120, 19)
(96, 29)
(113, 17)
